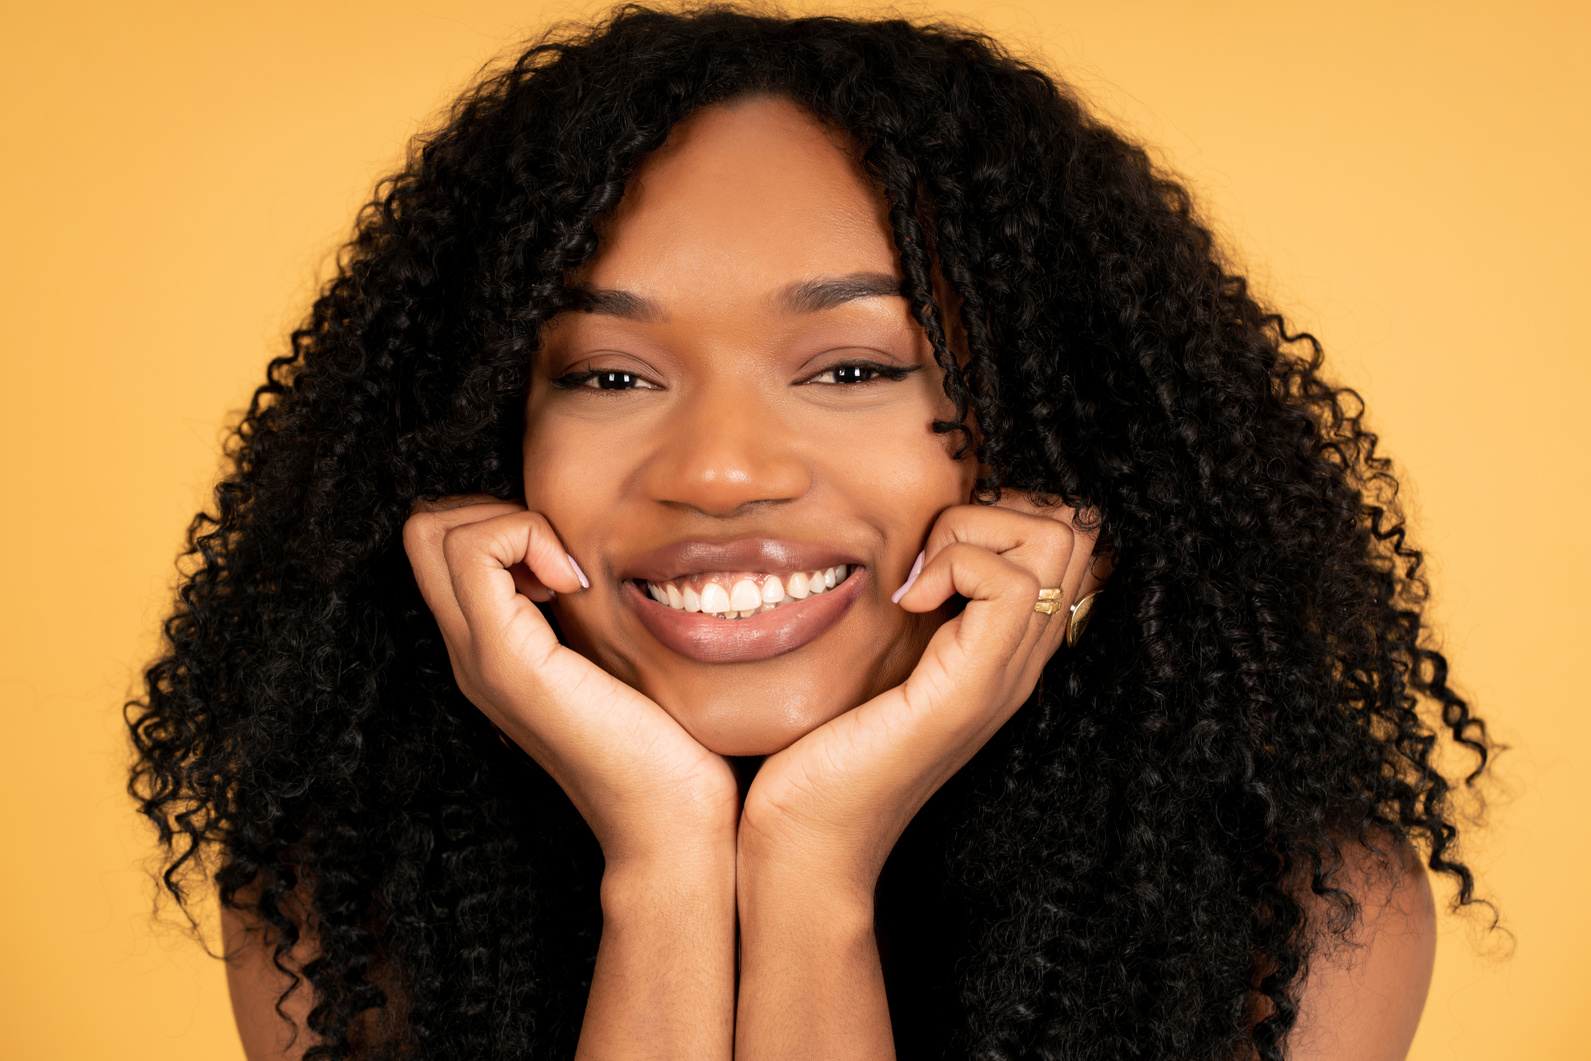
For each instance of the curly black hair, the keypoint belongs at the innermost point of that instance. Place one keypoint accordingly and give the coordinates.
(1110, 876)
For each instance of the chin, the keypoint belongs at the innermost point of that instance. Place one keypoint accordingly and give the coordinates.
(751, 741)
(757, 709)
(731, 729)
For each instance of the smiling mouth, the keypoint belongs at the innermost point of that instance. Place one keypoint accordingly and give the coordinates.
(741, 595)
(744, 616)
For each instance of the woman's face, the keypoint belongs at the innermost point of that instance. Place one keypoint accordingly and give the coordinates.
(742, 411)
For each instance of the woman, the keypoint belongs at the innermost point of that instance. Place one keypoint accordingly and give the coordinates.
(784, 539)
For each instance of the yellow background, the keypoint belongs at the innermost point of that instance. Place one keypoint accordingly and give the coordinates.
(1407, 180)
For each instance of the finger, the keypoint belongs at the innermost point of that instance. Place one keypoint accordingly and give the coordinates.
(524, 543)
(1077, 569)
(1086, 571)
(1029, 504)
(454, 509)
(976, 662)
(529, 585)
(1042, 545)
(480, 557)
(423, 535)
(1056, 613)
(1007, 589)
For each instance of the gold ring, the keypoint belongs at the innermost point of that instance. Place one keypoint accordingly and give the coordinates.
(1049, 601)
(1079, 618)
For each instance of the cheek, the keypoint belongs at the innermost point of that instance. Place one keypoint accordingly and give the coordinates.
(560, 483)
(573, 493)
(911, 477)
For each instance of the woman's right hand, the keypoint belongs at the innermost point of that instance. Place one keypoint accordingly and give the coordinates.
(664, 809)
(644, 785)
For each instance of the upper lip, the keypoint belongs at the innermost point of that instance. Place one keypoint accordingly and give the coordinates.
(742, 554)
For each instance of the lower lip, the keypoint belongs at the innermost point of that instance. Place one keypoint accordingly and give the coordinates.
(709, 639)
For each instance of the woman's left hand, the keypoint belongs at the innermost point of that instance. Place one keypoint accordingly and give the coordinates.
(829, 808)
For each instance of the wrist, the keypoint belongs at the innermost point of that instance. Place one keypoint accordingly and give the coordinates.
(800, 861)
(679, 878)
(791, 895)
(664, 982)
(650, 842)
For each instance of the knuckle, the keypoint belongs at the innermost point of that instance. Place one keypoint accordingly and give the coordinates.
(419, 529)
(958, 552)
(488, 669)
(458, 542)
(540, 531)
(1057, 537)
(941, 534)
(953, 519)
(492, 666)
(466, 683)
(1014, 502)
(1063, 529)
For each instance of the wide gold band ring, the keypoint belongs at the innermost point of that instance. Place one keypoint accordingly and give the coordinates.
(1049, 601)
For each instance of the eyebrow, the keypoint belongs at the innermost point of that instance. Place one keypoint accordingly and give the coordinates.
(809, 296)
(618, 304)
(814, 296)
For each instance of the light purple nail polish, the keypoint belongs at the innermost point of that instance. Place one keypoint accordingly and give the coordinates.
(584, 583)
(917, 569)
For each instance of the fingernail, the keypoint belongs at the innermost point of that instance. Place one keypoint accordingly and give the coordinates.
(584, 582)
(917, 569)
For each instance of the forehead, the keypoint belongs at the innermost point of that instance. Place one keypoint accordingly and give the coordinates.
(743, 200)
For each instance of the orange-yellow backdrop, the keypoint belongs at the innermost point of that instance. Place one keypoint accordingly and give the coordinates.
(1407, 180)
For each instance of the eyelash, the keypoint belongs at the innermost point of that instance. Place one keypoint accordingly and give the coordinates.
(576, 380)
(893, 373)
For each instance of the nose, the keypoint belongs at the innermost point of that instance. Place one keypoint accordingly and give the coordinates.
(726, 449)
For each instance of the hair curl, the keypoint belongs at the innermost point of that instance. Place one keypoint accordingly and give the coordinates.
(1108, 878)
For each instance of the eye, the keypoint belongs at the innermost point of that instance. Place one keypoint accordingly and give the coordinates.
(617, 381)
(852, 372)
(604, 379)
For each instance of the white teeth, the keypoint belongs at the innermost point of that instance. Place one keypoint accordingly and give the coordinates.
(715, 599)
(745, 596)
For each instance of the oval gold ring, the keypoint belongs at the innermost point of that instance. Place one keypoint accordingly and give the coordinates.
(1079, 618)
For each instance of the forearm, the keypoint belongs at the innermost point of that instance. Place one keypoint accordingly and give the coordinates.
(810, 981)
(664, 984)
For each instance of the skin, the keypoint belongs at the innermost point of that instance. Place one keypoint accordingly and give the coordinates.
(738, 440)
(742, 411)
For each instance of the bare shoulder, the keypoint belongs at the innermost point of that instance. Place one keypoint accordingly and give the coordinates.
(1363, 994)
(256, 985)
